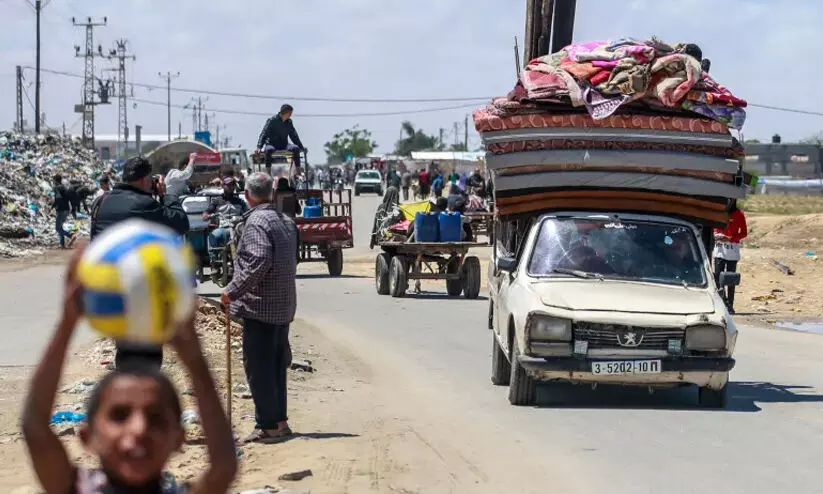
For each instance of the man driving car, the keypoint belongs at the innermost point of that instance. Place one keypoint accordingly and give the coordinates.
(226, 207)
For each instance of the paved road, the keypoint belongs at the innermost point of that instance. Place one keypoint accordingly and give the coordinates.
(626, 441)
(30, 305)
(622, 441)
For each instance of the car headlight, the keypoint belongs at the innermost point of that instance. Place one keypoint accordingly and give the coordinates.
(705, 338)
(540, 327)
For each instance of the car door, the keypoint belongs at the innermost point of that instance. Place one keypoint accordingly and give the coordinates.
(502, 280)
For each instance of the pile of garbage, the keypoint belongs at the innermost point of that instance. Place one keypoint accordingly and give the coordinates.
(28, 164)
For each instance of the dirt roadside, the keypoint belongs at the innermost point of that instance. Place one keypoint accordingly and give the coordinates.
(355, 432)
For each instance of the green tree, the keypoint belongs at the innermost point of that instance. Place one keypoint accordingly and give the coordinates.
(355, 141)
(415, 140)
(752, 141)
(816, 139)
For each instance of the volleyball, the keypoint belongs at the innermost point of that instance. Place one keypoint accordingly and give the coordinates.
(137, 280)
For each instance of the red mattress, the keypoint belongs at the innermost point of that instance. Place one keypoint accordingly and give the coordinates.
(486, 122)
(539, 145)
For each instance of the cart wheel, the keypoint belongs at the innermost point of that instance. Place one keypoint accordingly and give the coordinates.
(381, 273)
(471, 277)
(398, 276)
(454, 287)
(335, 262)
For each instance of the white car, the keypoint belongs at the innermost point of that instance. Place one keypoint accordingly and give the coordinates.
(613, 299)
(368, 181)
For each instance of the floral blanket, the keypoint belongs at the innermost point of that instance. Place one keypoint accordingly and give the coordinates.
(605, 75)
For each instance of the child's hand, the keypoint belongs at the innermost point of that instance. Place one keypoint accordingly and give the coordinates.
(72, 291)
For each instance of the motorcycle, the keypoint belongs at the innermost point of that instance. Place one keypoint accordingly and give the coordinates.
(222, 258)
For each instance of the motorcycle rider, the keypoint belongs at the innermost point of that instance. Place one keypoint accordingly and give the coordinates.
(226, 208)
(275, 137)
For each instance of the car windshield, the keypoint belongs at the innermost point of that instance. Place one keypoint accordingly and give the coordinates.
(369, 175)
(601, 248)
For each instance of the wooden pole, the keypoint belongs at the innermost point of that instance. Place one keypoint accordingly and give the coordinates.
(228, 363)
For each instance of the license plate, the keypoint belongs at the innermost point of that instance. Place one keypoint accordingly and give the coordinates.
(623, 367)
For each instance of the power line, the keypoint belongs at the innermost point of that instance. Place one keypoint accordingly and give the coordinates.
(31, 103)
(380, 100)
(319, 115)
(293, 98)
(791, 110)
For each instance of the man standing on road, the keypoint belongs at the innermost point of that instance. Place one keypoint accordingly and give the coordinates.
(276, 133)
(425, 184)
(405, 183)
(263, 293)
(133, 199)
(62, 209)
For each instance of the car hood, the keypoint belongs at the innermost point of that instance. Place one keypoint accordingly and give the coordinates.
(621, 296)
(368, 180)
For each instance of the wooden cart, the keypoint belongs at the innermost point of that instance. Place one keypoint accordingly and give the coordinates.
(403, 261)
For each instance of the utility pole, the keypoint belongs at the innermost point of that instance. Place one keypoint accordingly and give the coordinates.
(217, 135)
(87, 108)
(466, 134)
(19, 121)
(168, 76)
(119, 53)
(440, 140)
(456, 133)
(38, 9)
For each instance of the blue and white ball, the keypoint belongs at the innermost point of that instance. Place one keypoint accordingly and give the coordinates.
(137, 282)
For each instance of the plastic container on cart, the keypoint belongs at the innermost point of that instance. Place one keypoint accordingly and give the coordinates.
(451, 227)
(426, 227)
(312, 211)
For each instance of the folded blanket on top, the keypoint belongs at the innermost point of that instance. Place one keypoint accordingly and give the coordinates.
(605, 75)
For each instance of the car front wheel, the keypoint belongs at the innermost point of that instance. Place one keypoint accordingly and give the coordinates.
(521, 386)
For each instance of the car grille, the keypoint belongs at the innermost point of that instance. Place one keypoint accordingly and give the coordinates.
(619, 336)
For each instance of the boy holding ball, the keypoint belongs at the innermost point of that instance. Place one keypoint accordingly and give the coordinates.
(133, 421)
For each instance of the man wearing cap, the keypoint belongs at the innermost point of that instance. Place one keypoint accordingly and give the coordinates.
(133, 198)
(225, 208)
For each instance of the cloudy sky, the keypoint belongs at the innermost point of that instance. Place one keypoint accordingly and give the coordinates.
(387, 49)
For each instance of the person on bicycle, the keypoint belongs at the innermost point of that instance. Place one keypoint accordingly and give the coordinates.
(225, 208)
(275, 137)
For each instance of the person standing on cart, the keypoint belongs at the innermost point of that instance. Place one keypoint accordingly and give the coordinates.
(226, 207)
(275, 137)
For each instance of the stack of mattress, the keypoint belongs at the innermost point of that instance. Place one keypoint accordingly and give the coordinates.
(546, 153)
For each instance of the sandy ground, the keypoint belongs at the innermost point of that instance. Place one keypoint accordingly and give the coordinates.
(375, 445)
(370, 447)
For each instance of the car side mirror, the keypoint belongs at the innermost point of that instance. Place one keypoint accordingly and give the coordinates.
(507, 264)
(729, 279)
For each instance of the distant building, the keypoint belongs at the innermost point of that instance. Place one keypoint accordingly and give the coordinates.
(107, 145)
(784, 159)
